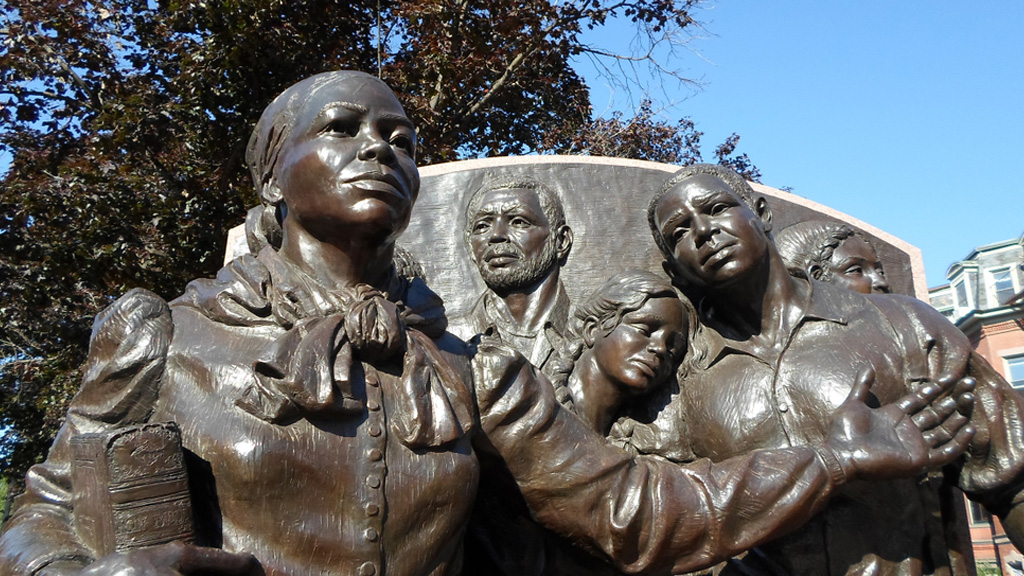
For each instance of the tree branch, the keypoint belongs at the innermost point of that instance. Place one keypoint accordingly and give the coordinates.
(19, 92)
(95, 102)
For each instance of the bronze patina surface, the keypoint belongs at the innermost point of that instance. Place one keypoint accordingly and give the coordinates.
(331, 424)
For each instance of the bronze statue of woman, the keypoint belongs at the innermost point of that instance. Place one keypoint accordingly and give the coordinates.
(322, 406)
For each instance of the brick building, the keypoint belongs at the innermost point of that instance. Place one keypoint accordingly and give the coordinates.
(985, 299)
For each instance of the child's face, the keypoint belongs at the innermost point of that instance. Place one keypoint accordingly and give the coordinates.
(639, 354)
(855, 266)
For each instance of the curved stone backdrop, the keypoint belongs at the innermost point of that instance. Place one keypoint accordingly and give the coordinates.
(605, 202)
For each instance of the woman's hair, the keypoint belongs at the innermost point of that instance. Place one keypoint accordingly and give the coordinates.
(407, 265)
(807, 247)
(619, 295)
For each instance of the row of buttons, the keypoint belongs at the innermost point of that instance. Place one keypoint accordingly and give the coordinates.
(374, 480)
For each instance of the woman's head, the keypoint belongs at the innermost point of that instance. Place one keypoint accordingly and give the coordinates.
(832, 252)
(636, 328)
(334, 151)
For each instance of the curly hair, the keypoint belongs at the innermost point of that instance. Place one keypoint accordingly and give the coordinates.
(619, 295)
(550, 203)
(807, 247)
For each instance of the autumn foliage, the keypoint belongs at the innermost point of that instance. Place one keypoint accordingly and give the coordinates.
(125, 124)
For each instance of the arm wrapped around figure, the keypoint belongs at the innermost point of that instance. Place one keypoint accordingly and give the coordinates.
(651, 516)
(992, 471)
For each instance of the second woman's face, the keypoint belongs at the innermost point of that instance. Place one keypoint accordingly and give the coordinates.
(855, 266)
(639, 353)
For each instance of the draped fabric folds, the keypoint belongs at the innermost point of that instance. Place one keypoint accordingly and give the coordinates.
(312, 368)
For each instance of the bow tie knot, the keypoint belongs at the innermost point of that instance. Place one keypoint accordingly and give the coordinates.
(374, 326)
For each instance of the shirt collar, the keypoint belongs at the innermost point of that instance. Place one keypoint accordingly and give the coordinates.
(823, 303)
(557, 317)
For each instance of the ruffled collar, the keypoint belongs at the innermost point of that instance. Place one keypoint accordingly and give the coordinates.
(309, 369)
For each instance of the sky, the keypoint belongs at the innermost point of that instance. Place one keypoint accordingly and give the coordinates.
(907, 115)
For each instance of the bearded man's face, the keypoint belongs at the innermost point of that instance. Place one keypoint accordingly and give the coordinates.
(511, 240)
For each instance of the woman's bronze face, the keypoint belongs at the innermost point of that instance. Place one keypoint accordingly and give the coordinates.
(639, 353)
(349, 167)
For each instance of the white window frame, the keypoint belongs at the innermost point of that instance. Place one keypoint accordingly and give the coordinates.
(990, 282)
(962, 310)
(1009, 356)
(944, 292)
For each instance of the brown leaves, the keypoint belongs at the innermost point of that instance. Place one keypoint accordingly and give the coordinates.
(127, 123)
(645, 137)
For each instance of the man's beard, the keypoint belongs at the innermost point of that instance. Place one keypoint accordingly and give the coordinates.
(526, 274)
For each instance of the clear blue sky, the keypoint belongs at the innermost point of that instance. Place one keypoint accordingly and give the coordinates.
(908, 115)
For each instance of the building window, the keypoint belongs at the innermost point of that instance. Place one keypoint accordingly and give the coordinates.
(941, 300)
(1015, 371)
(961, 295)
(1002, 286)
(978, 515)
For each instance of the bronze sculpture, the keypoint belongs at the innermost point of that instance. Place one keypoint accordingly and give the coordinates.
(832, 252)
(771, 334)
(624, 342)
(328, 420)
(627, 339)
(296, 376)
(519, 240)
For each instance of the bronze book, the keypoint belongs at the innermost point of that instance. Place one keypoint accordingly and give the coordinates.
(130, 488)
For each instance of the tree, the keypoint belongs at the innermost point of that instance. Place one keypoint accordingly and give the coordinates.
(726, 156)
(644, 137)
(127, 121)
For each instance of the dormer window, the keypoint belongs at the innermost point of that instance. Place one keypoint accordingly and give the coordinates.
(962, 301)
(1002, 286)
